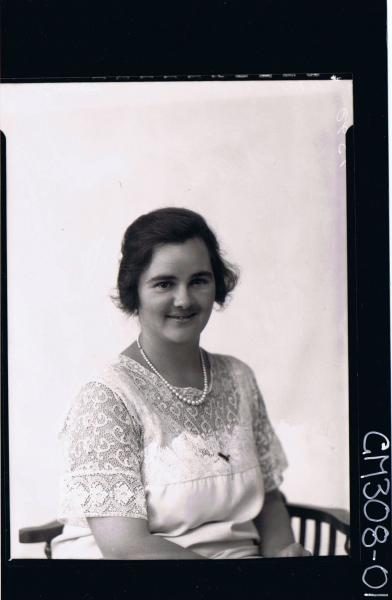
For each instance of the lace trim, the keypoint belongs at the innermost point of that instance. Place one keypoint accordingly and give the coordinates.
(117, 494)
(126, 431)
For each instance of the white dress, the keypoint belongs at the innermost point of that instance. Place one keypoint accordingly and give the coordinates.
(198, 474)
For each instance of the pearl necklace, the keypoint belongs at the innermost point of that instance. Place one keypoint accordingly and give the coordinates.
(169, 385)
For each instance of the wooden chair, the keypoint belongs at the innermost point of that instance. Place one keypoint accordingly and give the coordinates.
(42, 533)
(337, 520)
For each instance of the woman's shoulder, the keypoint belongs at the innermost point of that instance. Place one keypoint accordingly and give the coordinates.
(114, 373)
(109, 387)
(233, 363)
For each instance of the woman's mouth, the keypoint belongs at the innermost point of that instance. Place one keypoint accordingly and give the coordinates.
(182, 318)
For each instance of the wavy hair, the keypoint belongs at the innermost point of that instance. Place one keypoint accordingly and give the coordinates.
(167, 226)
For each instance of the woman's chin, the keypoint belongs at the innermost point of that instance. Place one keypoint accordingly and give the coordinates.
(183, 335)
(181, 338)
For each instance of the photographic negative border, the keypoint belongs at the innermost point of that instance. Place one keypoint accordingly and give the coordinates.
(369, 356)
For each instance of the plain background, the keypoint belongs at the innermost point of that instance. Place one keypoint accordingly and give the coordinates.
(263, 162)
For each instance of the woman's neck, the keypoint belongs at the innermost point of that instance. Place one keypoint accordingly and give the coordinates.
(178, 363)
(162, 352)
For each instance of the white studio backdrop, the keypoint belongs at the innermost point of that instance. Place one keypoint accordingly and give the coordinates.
(263, 162)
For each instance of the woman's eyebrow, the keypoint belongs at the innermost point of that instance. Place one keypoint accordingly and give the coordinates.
(164, 277)
(160, 277)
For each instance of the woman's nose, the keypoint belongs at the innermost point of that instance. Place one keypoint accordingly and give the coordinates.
(182, 297)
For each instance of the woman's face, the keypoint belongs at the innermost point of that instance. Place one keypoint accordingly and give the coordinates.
(176, 292)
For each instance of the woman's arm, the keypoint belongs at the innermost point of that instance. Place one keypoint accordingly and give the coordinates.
(273, 525)
(127, 538)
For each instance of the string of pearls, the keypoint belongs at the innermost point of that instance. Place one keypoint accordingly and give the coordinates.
(169, 385)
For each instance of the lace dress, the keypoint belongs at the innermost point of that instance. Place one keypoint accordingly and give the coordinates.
(198, 474)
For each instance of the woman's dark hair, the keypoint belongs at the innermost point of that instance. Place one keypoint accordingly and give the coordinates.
(167, 226)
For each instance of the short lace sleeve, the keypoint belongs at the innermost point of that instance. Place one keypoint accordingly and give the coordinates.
(271, 455)
(103, 453)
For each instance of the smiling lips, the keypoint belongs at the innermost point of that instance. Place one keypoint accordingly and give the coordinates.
(182, 317)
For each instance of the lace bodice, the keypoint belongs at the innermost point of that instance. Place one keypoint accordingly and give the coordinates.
(130, 442)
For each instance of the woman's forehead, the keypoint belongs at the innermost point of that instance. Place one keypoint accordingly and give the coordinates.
(189, 256)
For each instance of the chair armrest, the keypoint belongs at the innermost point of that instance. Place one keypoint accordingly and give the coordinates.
(43, 533)
(340, 514)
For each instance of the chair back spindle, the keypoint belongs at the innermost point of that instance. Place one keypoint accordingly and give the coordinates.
(302, 532)
(337, 520)
(317, 538)
(332, 540)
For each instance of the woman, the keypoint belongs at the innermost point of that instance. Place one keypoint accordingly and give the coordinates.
(170, 451)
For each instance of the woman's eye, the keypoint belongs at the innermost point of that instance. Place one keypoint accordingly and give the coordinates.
(199, 281)
(163, 285)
